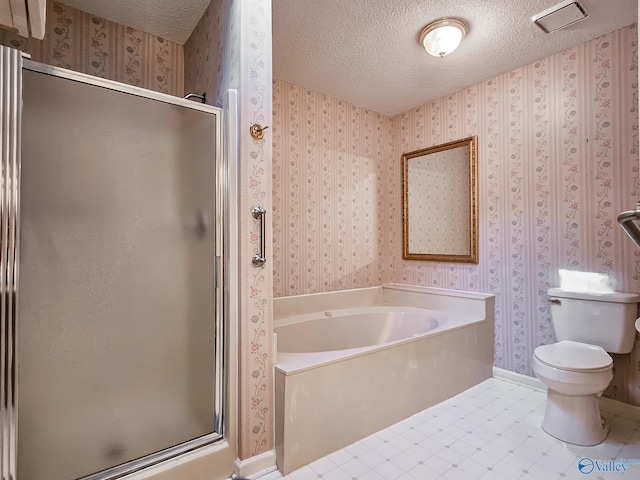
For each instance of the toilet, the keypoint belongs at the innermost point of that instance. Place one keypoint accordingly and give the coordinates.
(577, 368)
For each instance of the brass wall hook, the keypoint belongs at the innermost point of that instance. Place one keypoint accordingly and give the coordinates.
(257, 131)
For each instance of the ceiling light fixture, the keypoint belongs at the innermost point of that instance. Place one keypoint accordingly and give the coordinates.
(443, 36)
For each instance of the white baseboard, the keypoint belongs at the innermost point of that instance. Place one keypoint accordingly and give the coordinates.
(256, 466)
(519, 379)
(606, 404)
(619, 408)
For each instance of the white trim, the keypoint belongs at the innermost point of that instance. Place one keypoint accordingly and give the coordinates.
(620, 408)
(437, 291)
(37, 17)
(256, 466)
(230, 154)
(518, 379)
(607, 404)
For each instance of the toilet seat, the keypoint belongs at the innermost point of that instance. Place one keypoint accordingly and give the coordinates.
(574, 356)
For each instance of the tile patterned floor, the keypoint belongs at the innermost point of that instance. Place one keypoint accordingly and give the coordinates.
(490, 432)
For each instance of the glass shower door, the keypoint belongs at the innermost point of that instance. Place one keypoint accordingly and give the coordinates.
(117, 304)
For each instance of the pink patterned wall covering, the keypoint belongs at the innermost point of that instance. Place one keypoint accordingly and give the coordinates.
(256, 300)
(558, 160)
(203, 53)
(239, 58)
(82, 42)
(329, 192)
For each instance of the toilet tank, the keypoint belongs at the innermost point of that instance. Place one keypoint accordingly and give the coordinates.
(604, 319)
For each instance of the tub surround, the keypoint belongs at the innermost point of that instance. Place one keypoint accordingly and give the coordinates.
(349, 394)
(430, 298)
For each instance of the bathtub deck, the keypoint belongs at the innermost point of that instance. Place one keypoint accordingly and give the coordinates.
(490, 432)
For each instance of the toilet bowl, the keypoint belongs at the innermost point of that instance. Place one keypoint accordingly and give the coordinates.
(576, 374)
(578, 368)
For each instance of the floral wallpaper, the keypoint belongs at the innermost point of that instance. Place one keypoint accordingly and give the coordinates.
(255, 187)
(246, 67)
(558, 160)
(328, 192)
(204, 53)
(239, 57)
(82, 42)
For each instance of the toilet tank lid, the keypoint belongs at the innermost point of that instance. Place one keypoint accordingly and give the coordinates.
(616, 297)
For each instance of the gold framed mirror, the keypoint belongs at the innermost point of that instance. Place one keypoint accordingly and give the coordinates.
(440, 202)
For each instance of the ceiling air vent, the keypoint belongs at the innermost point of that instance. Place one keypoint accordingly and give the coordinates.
(559, 16)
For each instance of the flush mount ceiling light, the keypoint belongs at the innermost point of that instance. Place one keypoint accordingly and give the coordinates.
(443, 36)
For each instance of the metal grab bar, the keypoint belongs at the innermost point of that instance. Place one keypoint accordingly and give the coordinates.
(259, 213)
(627, 222)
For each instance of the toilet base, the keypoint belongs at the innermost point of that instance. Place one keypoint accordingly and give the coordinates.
(574, 419)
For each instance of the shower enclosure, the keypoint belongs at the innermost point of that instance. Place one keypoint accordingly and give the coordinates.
(112, 300)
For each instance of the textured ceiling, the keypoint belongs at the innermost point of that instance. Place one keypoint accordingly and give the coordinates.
(170, 19)
(367, 52)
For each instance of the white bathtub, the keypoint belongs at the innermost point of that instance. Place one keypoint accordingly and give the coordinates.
(351, 363)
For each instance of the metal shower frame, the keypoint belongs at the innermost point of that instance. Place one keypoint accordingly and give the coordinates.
(12, 64)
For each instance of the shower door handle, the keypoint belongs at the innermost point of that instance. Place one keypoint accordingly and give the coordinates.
(258, 213)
